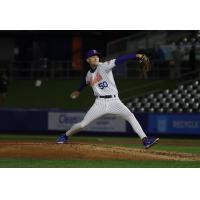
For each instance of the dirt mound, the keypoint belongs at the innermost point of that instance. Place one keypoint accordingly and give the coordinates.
(50, 150)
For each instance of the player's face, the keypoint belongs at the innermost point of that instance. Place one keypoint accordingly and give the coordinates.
(93, 60)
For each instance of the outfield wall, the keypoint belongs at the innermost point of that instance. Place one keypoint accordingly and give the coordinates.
(50, 120)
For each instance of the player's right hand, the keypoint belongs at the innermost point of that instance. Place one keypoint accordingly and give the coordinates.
(75, 94)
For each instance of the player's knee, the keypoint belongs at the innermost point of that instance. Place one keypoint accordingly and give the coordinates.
(130, 115)
(82, 125)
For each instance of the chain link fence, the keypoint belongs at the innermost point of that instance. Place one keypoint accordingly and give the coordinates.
(30, 70)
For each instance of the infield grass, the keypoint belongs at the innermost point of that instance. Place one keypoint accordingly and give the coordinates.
(38, 163)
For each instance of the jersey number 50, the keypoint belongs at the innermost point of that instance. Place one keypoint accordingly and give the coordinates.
(103, 85)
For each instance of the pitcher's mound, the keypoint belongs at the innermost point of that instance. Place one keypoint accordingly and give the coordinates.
(49, 150)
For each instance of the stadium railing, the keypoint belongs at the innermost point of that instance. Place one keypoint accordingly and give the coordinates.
(30, 70)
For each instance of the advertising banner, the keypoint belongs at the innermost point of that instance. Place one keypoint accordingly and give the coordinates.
(64, 120)
(179, 124)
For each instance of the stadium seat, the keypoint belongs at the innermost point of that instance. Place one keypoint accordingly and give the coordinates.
(132, 109)
(151, 96)
(190, 87)
(185, 91)
(175, 92)
(178, 96)
(170, 110)
(142, 109)
(154, 100)
(129, 104)
(166, 105)
(169, 95)
(145, 100)
(138, 104)
(180, 88)
(166, 91)
(152, 110)
(157, 105)
(172, 100)
(147, 105)
(180, 110)
(136, 100)
(160, 96)
(195, 106)
(161, 110)
(184, 98)
(176, 105)
(186, 105)
(163, 100)
(196, 83)
(190, 110)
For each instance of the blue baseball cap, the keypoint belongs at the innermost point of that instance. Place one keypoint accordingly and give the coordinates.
(91, 53)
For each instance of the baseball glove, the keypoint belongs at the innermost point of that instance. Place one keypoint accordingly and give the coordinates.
(144, 60)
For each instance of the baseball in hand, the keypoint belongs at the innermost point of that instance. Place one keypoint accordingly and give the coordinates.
(73, 96)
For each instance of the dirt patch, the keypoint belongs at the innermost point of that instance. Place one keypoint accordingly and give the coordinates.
(76, 150)
(130, 141)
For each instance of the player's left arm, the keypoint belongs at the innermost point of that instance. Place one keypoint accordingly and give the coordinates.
(125, 58)
(141, 57)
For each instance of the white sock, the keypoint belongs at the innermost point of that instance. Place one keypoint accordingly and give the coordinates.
(74, 129)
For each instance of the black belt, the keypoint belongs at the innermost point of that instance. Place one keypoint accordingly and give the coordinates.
(107, 96)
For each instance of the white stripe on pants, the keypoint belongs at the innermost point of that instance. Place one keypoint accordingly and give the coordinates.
(104, 106)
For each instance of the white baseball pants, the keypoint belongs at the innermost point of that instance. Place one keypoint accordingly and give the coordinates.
(104, 106)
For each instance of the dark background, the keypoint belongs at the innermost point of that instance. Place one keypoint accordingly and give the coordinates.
(56, 45)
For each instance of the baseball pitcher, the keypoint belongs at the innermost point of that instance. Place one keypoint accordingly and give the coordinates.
(100, 78)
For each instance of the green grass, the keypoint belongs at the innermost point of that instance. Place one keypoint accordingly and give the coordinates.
(38, 163)
(55, 93)
(22, 137)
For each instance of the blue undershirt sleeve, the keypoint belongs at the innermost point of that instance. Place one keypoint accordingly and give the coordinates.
(125, 58)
